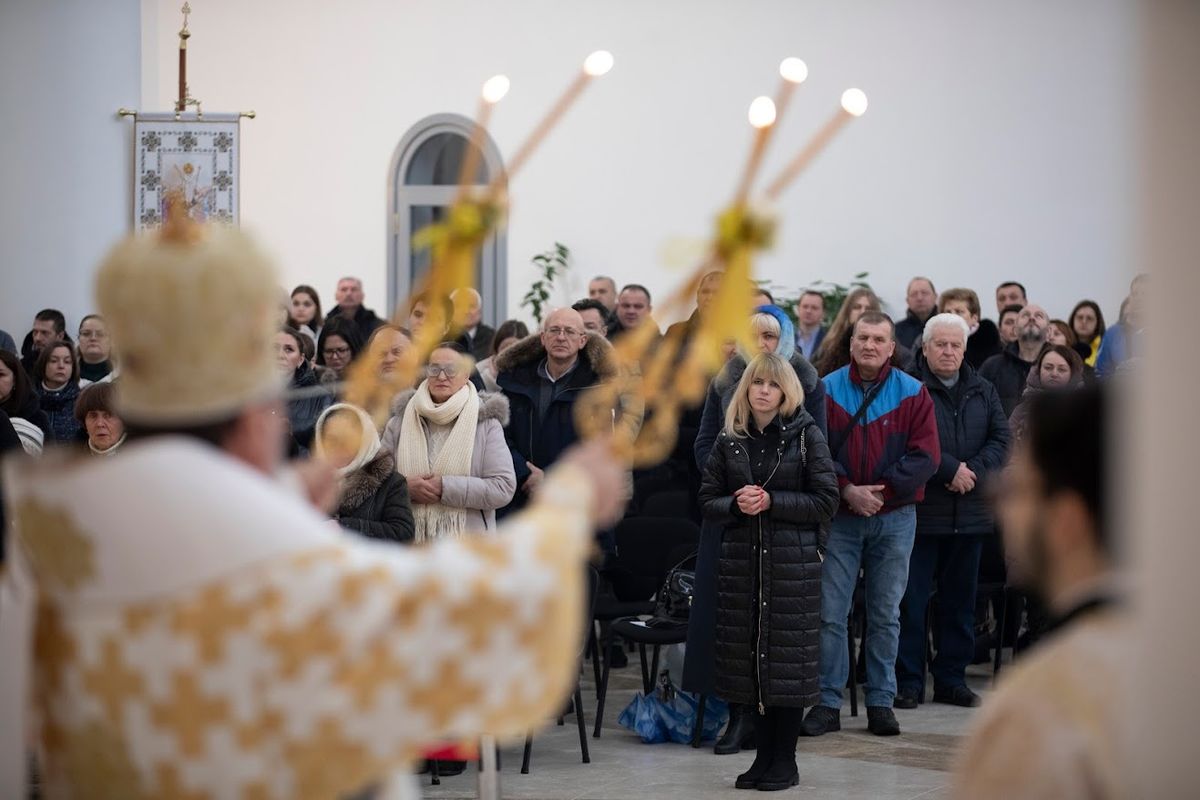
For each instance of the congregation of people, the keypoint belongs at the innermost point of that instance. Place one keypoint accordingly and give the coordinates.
(836, 465)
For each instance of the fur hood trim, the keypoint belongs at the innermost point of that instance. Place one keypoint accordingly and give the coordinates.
(529, 351)
(361, 485)
(492, 405)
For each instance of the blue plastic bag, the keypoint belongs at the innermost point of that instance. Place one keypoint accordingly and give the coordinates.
(657, 720)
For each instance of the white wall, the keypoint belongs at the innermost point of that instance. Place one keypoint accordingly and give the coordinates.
(65, 157)
(997, 145)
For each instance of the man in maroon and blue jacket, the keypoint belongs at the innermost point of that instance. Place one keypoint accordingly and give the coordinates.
(884, 439)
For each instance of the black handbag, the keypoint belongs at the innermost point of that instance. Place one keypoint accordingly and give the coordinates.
(673, 603)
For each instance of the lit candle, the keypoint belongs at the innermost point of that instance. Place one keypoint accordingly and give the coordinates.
(763, 114)
(596, 65)
(854, 104)
(494, 90)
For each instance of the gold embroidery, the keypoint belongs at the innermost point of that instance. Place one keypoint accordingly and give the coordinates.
(136, 618)
(169, 785)
(111, 682)
(209, 618)
(257, 790)
(252, 735)
(96, 762)
(311, 558)
(445, 697)
(329, 764)
(189, 713)
(60, 553)
(484, 613)
(297, 646)
(364, 676)
(53, 645)
(355, 585)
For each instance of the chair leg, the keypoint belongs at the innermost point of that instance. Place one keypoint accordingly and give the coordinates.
(602, 689)
(851, 683)
(435, 778)
(527, 755)
(698, 730)
(654, 667)
(582, 723)
(594, 644)
(646, 684)
(1001, 624)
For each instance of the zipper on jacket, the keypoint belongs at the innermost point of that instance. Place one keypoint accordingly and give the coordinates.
(758, 660)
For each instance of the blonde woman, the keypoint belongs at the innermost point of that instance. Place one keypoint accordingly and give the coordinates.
(448, 441)
(770, 484)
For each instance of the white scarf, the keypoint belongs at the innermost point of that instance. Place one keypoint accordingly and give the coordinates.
(368, 446)
(412, 454)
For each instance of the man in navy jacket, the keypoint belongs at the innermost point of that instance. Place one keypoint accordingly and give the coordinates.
(953, 519)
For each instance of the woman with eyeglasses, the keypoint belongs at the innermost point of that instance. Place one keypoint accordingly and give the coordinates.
(338, 345)
(447, 439)
(95, 352)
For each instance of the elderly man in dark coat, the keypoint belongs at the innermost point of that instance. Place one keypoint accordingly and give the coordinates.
(952, 520)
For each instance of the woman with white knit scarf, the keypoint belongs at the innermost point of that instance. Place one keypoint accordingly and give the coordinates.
(448, 442)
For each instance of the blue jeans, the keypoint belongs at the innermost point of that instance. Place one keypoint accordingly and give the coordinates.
(881, 546)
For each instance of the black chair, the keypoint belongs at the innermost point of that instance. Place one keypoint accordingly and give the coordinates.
(593, 586)
(645, 548)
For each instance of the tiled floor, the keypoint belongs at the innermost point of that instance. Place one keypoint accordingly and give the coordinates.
(849, 764)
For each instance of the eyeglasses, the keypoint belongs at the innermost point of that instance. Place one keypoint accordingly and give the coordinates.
(569, 333)
(336, 352)
(433, 370)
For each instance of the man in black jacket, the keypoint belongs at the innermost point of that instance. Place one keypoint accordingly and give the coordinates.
(350, 306)
(474, 335)
(542, 376)
(1009, 370)
(952, 520)
(922, 304)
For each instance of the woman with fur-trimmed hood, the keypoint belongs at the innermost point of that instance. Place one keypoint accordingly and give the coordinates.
(448, 441)
(374, 498)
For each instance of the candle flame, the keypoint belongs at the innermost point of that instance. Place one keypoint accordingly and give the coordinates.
(598, 63)
(793, 70)
(854, 101)
(495, 88)
(762, 112)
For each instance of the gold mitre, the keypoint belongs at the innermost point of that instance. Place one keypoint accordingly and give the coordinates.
(193, 310)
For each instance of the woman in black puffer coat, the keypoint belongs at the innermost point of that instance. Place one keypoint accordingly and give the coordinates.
(770, 483)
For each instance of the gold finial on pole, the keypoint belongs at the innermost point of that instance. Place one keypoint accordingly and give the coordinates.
(184, 34)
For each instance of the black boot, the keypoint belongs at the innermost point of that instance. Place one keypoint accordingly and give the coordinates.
(739, 733)
(764, 735)
(783, 773)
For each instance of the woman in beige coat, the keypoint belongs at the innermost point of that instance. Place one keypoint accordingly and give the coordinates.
(448, 442)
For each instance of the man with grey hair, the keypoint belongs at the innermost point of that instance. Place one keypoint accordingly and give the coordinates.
(474, 335)
(953, 519)
(349, 297)
(604, 289)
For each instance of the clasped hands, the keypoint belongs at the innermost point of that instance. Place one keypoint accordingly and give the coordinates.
(752, 500)
(964, 479)
(864, 500)
(425, 489)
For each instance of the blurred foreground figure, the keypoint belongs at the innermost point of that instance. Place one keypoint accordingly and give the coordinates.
(178, 622)
(1057, 726)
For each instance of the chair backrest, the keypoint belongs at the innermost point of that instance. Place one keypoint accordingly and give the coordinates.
(644, 550)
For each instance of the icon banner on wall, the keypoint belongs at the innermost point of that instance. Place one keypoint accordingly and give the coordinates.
(195, 156)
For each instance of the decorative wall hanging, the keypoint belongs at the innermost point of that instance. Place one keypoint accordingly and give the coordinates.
(186, 153)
